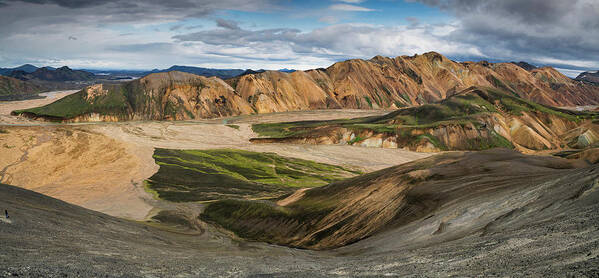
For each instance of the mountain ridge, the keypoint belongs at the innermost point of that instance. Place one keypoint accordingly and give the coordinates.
(589, 76)
(378, 83)
(473, 119)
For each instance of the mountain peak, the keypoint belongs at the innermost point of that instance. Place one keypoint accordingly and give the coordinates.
(589, 76)
(525, 65)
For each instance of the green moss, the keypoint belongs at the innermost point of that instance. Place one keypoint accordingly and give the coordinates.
(434, 140)
(355, 140)
(407, 99)
(194, 175)
(233, 126)
(368, 101)
(251, 219)
(113, 102)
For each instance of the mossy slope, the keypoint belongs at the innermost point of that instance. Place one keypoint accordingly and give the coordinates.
(478, 118)
(207, 175)
(350, 210)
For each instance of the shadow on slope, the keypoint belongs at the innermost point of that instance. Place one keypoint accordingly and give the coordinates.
(469, 190)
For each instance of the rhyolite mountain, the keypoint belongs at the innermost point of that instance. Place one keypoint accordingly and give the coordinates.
(15, 89)
(589, 76)
(158, 96)
(474, 119)
(380, 82)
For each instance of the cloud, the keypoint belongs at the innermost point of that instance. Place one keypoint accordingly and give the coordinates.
(537, 30)
(154, 33)
(349, 8)
(193, 27)
(330, 43)
(227, 24)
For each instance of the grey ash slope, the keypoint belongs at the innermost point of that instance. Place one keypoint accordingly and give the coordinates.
(545, 225)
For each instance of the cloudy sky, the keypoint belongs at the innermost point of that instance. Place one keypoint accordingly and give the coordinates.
(274, 34)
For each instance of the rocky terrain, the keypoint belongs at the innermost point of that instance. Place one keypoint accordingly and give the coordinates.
(380, 82)
(589, 76)
(474, 119)
(463, 214)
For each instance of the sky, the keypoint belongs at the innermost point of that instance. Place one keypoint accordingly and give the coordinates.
(276, 34)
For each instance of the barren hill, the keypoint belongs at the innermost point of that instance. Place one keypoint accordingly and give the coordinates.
(380, 82)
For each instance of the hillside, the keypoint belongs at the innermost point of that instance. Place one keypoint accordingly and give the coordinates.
(443, 197)
(207, 72)
(364, 84)
(472, 227)
(589, 76)
(474, 119)
(383, 82)
(209, 175)
(14, 89)
(54, 75)
(158, 96)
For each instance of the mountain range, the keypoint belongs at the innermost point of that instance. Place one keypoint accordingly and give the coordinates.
(26, 68)
(388, 83)
(220, 73)
(61, 74)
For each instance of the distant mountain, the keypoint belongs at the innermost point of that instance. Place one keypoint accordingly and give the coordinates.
(55, 75)
(115, 73)
(589, 76)
(15, 89)
(26, 68)
(525, 65)
(220, 73)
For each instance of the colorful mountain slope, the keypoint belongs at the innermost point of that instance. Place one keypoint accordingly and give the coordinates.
(474, 119)
(364, 84)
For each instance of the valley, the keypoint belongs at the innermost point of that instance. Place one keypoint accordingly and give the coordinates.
(267, 138)
(70, 161)
(454, 186)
